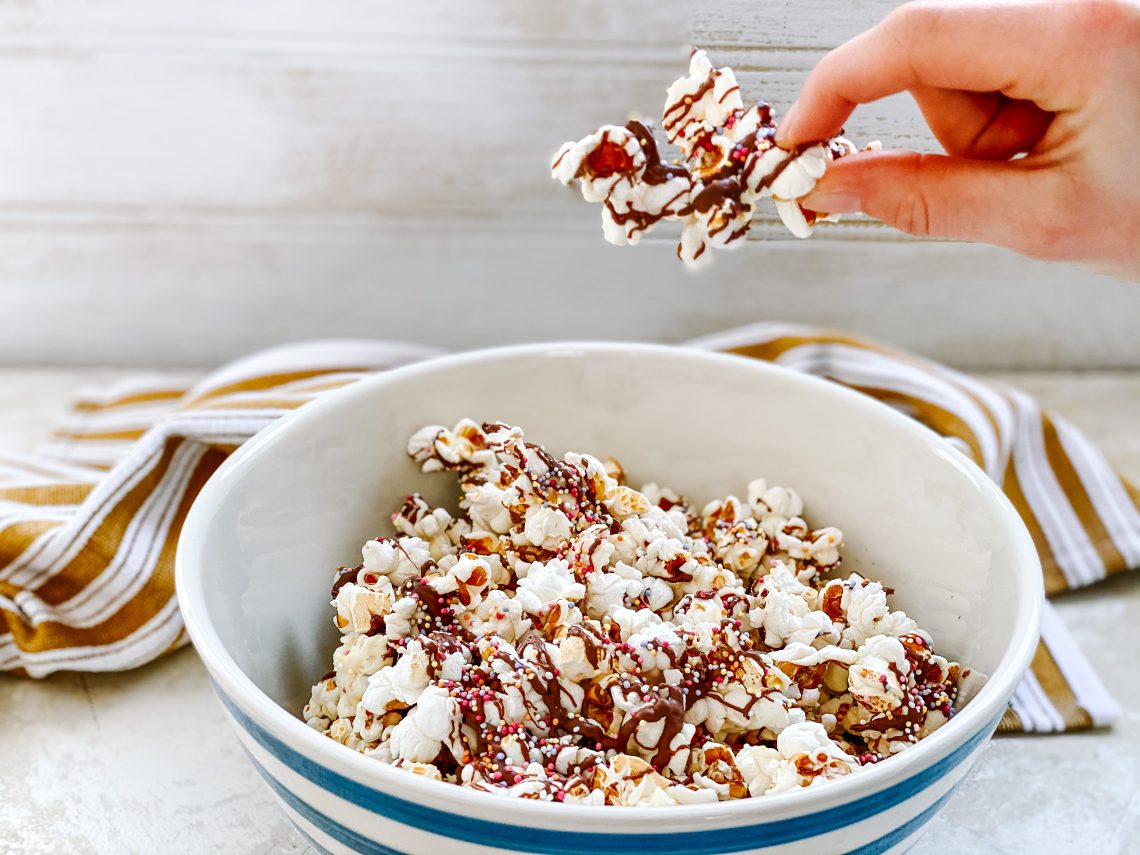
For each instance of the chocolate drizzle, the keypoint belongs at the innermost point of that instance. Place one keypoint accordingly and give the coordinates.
(343, 576)
(679, 109)
(642, 220)
(730, 91)
(770, 179)
(723, 188)
(593, 644)
(668, 707)
(716, 193)
(656, 172)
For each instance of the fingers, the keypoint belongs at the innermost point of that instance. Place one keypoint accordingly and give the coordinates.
(931, 195)
(988, 126)
(1020, 49)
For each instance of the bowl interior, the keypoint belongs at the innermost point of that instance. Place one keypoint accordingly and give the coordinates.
(304, 497)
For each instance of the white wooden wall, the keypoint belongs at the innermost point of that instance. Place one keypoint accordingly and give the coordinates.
(183, 181)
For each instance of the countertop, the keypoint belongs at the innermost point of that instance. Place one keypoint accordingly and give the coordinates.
(145, 762)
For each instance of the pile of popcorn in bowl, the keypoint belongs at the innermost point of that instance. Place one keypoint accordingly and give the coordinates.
(569, 638)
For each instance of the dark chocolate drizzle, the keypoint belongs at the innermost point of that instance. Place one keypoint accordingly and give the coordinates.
(770, 179)
(656, 172)
(681, 107)
(343, 576)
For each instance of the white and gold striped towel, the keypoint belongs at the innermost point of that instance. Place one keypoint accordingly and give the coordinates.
(88, 526)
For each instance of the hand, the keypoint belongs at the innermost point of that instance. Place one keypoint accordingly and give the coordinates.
(1058, 81)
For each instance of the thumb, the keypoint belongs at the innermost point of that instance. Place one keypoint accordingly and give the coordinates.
(1006, 203)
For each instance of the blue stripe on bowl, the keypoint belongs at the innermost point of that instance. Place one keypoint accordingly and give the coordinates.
(325, 823)
(551, 842)
(894, 838)
(368, 847)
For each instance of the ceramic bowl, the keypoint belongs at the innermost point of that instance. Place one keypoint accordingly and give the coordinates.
(260, 545)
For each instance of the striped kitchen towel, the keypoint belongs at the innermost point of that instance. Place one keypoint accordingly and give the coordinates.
(88, 525)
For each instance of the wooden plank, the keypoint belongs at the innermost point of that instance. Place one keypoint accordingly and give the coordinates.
(176, 131)
(451, 114)
(773, 45)
(189, 180)
(787, 24)
(199, 295)
(591, 22)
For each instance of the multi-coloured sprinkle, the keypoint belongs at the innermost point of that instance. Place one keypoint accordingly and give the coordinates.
(570, 638)
(729, 161)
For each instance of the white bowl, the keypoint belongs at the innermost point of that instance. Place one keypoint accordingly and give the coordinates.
(258, 550)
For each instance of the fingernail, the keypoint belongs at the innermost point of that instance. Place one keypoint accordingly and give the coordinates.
(836, 201)
(784, 133)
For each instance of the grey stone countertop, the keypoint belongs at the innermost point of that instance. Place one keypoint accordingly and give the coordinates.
(145, 762)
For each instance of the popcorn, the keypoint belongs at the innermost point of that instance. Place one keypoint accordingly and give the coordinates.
(624, 502)
(321, 710)
(820, 547)
(400, 685)
(431, 525)
(546, 527)
(419, 736)
(426, 770)
(729, 160)
(607, 592)
(632, 210)
(765, 770)
(605, 159)
(704, 98)
(548, 583)
(468, 578)
(354, 662)
(862, 606)
(399, 560)
(876, 677)
(812, 752)
(357, 605)
(567, 637)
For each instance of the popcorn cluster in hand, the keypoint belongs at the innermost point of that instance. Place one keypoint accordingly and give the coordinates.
(570, 638)
(730, 160)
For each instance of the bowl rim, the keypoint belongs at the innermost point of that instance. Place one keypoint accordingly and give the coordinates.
(980, 712)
